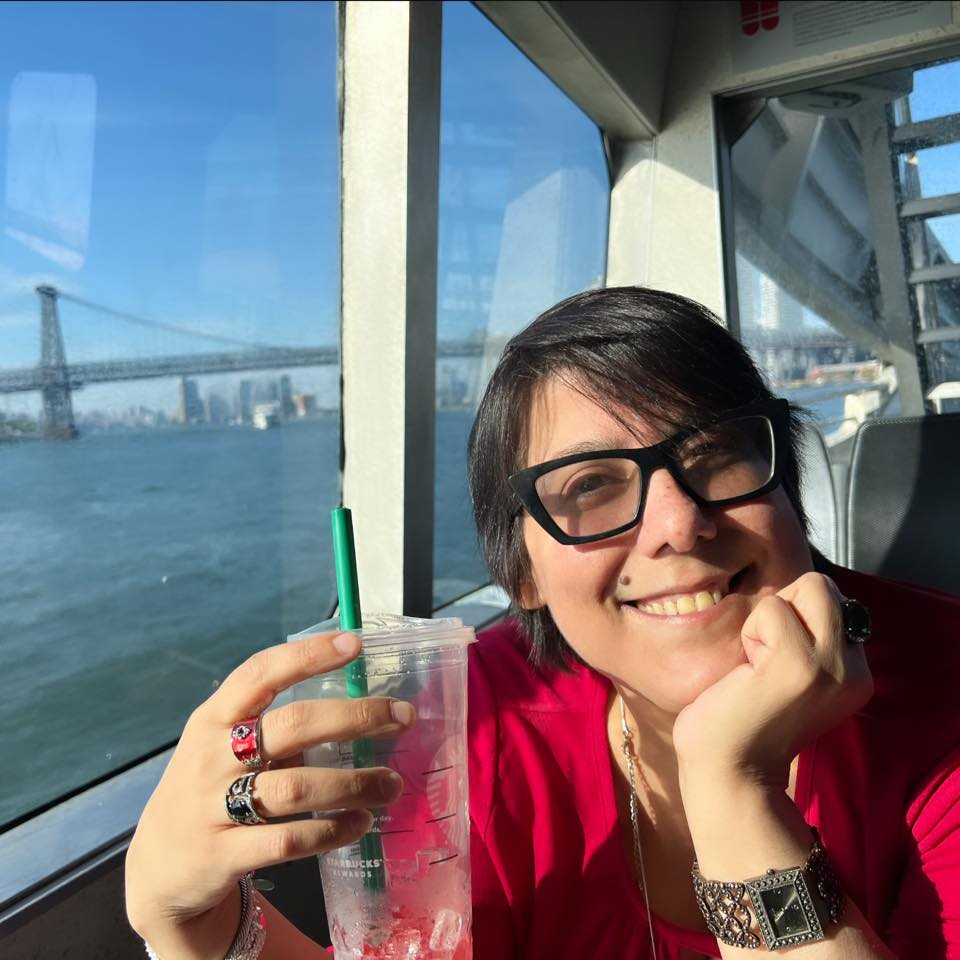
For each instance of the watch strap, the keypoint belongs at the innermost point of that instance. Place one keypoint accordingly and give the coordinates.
(825, 886)
(735, 913)
(727, 908)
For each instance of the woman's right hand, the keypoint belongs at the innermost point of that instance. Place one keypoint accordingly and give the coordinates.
(186, 858)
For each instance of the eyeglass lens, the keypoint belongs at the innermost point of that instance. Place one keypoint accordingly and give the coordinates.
(727, 460)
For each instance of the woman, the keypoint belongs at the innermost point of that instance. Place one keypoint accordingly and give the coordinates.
(678, 685)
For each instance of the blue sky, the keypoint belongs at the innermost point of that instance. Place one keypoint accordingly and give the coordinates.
(178, 161)
(194, 181)
(196, 184)
(936, 93)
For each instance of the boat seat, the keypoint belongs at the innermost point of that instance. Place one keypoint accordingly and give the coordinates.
(818, 493)
(903, 516)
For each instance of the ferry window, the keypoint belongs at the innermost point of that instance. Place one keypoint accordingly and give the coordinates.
(845, 217)
(524, 198)
(168, 284)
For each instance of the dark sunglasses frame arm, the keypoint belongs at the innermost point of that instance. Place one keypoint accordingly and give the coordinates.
(649, 459)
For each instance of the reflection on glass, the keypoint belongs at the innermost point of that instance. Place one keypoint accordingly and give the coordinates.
(846, 261)
(168, 283)
(523, 221)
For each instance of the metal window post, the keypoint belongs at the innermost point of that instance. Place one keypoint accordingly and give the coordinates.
(389, 184)
(879, 164)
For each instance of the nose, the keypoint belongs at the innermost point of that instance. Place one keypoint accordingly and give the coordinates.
(671, 522)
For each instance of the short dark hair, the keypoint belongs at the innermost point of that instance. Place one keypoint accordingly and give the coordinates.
(655, 353)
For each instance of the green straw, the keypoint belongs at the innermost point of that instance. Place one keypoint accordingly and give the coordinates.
(348, 595)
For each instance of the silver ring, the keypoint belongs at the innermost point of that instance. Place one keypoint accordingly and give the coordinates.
(239, 802)
(856, 621)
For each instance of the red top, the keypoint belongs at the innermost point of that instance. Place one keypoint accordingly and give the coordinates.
(551, 879)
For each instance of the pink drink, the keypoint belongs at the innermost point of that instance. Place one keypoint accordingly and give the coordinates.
(414, 904)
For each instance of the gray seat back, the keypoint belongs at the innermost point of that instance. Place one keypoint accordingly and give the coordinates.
(903, 516)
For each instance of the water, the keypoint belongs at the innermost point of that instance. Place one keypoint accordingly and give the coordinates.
(826, 402)
(137, 569)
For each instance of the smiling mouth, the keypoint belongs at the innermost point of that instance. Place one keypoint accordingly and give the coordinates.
(685, 603)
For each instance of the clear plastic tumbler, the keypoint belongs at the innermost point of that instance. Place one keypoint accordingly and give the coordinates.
(415, 904)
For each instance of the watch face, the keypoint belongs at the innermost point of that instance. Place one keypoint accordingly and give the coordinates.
(785, 911)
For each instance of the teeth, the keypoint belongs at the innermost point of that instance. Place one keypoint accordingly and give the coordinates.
(681, 605)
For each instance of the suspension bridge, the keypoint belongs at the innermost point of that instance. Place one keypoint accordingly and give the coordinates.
(56, 379)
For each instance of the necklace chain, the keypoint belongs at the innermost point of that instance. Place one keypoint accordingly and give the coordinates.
(628, 753)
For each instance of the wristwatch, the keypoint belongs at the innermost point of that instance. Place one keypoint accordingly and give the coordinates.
(781, 908)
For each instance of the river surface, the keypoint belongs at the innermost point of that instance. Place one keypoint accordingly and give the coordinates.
(138, 568)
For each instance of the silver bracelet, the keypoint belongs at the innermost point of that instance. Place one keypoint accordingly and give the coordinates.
(252, 930)
(777, 910)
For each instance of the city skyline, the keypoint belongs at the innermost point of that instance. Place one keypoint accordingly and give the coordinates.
(457, 386)
(148, 184)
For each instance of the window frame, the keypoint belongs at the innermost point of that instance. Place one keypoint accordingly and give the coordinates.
(734, 111)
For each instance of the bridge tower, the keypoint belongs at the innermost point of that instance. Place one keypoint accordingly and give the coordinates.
(57, 405)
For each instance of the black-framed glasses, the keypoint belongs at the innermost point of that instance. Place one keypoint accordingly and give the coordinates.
(590, 496)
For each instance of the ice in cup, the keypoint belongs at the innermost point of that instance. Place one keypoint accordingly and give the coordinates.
(404, 890)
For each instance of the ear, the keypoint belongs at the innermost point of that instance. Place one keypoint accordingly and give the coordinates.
(530, 595)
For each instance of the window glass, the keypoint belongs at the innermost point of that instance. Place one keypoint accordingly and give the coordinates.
(846, 247)
(168, 276)
(937, 168)
(946, 230)
(524, 195)
(934, 91)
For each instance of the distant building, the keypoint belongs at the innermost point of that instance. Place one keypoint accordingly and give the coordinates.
(452, 388)
(244, 410)
(747, 275)
(190, 408)
(305, 403)
(287, 406)
(266, 392)
(217, 408)
(778, 310)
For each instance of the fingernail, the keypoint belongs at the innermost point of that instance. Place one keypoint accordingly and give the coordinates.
(402, 712)
(391, 785)
(361, 819)
(347, 643)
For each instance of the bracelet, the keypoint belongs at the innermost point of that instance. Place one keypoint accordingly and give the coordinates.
(251, 931)
(791, 906)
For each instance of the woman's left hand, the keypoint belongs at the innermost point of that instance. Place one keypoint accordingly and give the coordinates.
(802, 677)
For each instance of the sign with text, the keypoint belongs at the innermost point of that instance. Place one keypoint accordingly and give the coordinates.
(767, 32)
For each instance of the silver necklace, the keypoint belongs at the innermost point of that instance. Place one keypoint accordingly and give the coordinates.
(627, 747)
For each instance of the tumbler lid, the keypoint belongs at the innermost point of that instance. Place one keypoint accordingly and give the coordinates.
(390, 630)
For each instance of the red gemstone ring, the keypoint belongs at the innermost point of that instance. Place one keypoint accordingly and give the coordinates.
(245, 742)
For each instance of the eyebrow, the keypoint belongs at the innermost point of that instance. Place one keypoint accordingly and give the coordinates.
(592, 446)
